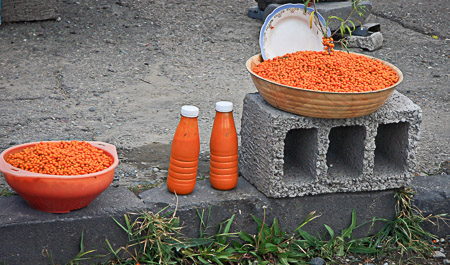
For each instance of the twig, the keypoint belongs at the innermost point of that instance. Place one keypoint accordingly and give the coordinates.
(145, 81)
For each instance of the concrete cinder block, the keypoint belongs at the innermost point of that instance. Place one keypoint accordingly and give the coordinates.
(288, 155)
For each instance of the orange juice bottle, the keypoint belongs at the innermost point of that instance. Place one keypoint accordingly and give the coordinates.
(223, 149)
(184, 153)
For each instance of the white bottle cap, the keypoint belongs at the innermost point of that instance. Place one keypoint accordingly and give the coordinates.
(224, 106)
(189, 111)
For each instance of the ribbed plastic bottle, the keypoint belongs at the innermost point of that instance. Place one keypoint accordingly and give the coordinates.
(223, 149)
(184, 153)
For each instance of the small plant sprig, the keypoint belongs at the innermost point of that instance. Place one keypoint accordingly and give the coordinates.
(344, 24)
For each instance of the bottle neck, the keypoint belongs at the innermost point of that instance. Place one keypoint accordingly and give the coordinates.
(184, 117)
(225, 113)
(223, 117)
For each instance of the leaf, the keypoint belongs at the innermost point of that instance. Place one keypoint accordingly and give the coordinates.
(284, 261)
(306, 5)
(246, 237)
(258, 221)
(222, 238)
(344, 45)
(121, 226)
(353, 24)
(265, 233)
(309, 238)
(202, 223)
(203, 260)
(363, 250)
(349, 30)
(346, 233)
(236, 245)
(340, 252)
(276, 227)
(269, 247)
(194, 242)
(311, 19)
(335, 17)
(228, 225)
(114, 252)
(81, 242)
(330, 231)
(217, 260)
(311, 216)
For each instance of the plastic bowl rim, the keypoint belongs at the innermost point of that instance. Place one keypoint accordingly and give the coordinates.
(17, 172)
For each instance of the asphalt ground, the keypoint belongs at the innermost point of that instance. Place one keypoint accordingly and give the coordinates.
(119, 71)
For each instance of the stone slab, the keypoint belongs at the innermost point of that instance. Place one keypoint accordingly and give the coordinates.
(26, 233)
(433, 198)
(245, 200)
(371, 42)
(288, 155)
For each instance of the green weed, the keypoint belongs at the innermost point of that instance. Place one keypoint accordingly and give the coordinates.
(143, 187)
(6, 193)
(157, 239)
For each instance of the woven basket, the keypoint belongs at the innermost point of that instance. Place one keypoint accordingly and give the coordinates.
(319, 104)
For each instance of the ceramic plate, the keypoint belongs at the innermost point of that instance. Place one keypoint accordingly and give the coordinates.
(287, 30)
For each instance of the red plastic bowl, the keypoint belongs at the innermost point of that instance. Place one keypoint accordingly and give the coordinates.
(57, 193)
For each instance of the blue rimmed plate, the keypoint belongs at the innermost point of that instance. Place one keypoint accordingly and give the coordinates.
(287, 30)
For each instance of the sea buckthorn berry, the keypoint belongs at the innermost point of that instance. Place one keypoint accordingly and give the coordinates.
(332, 72)
(61, 158)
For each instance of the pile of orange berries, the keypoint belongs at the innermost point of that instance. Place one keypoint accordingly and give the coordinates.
(61, 158)
(332, 72)
(328, 44)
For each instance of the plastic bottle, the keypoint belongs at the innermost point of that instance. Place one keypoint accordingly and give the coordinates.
(223, 149)
(184, 153)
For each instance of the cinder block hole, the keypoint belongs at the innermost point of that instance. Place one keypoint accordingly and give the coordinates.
(300, 156)
(346, 151)
(391, 145)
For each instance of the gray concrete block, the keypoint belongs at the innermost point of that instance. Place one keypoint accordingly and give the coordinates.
(269, 9)
(245, 200)
(255, 12)
(288, 155)
(433, 198)
(26, 233)
(371, 42)
(263, 4)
